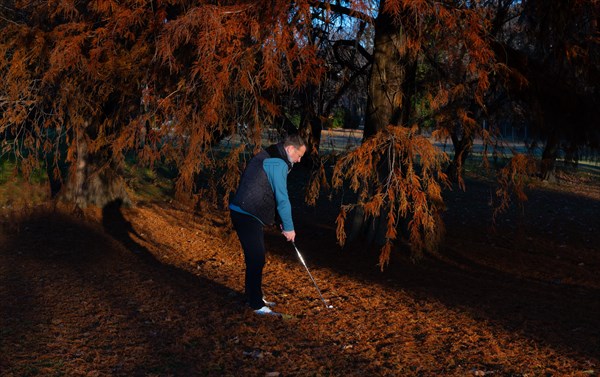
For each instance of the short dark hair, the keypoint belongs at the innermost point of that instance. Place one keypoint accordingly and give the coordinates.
(294, 140)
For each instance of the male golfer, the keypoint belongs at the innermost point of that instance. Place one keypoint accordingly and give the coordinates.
(262, 191)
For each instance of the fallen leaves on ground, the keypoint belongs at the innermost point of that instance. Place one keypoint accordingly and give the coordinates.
(165, 296)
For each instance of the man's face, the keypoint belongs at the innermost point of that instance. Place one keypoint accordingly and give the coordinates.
(295, 154)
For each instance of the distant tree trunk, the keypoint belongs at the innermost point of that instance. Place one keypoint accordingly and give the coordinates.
(54, 181)
(316, 127)
(311, 124)
(549, 155)
(572, 154)
(463, 145)
(93, 180)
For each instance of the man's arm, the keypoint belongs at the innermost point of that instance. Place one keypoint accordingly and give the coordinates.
(277, 172)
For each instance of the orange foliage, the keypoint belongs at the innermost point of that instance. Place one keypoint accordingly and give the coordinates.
(513, 180)
(167, 80)
(397, 173)
(340, 221)
(318, 180)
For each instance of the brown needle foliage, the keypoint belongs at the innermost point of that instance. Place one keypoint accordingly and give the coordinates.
(86, 82)
(513, 180)
(72, 77)
(410, 186)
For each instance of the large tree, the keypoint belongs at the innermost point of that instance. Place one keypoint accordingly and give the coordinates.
(463, 64)
(430, 66)
(73, 73)
(88, 81)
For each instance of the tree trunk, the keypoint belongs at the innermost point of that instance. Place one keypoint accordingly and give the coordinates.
(93, 180)
(389, 97)
(312, 127)
(311, 123)
(549, 155)
(54, 180)
(316, 126)
(385, 99)
(462, 147)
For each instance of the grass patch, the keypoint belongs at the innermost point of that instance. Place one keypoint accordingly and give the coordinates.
(16, 190)
(145, 183)
(149, 184)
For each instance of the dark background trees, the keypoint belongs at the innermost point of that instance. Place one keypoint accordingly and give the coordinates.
(561, 48)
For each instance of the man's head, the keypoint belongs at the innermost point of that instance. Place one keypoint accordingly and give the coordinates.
(295, 147)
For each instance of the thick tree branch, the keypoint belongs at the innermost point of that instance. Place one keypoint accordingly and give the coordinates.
(357, 46)
(343, 10)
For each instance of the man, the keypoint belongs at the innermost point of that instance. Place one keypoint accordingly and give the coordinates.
(263, 192)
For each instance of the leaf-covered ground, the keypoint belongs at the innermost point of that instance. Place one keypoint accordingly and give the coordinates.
(157, 291)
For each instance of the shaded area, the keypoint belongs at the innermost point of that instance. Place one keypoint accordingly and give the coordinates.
(74, 302)
(120, 229)
(535, 274)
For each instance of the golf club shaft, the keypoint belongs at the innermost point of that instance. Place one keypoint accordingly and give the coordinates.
(309, 274)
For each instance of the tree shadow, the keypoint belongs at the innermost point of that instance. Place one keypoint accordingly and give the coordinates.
(72, 301)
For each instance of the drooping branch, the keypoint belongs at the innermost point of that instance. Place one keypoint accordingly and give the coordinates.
(399, 174)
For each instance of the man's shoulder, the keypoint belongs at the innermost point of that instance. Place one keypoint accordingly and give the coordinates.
(274, 161)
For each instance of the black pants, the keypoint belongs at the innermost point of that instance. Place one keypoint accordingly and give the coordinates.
(251, 234)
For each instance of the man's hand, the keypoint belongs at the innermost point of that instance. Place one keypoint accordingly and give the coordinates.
(289, 235)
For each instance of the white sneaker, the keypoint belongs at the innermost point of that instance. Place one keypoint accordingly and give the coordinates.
(270, 304)
(265, 310)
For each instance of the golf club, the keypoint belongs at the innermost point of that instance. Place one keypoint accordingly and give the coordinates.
(311, 277)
